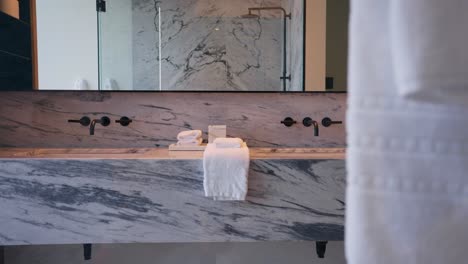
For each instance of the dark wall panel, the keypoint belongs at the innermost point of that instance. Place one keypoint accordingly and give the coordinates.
(15, 54)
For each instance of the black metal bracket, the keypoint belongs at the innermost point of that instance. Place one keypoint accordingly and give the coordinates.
(100, 5)
(321, 247)
(87, 251)
(2, 254)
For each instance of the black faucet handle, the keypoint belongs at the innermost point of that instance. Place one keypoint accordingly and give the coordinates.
(84, 121)
(288, 121)
(307, 122)
(124, 121)
(326, 122)
(105, 121)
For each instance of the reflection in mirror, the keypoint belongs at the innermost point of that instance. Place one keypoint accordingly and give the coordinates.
(50, 45)
(16, 64)
(326, 34)
(174, 45)
(243, 45)
(337, 45)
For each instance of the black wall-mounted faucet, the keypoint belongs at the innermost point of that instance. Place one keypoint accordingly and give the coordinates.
(307, 122)
(104, 121)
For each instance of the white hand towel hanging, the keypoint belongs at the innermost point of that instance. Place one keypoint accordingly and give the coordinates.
(226, 172)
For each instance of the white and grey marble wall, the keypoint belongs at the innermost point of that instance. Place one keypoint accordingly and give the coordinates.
(127, 201)
(207, 45)
(39, 119)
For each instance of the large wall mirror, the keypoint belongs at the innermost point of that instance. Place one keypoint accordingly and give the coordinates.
(174, 45)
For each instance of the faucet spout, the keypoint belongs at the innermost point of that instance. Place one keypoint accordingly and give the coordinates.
(316, 128)
(93, 124)
(104, 121)
(307, 122)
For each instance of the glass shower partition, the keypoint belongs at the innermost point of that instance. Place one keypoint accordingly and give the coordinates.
(129, 47)
(198, 45)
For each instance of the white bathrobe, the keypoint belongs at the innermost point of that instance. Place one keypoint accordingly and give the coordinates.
(407, 124)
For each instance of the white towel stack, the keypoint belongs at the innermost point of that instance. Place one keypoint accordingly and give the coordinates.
(190, 138)
(226, 166)
(228, 142)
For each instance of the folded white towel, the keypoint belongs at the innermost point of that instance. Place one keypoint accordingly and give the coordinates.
(228, 142)
(81, 84)
(189, 135)
(110, 84)
(190, 142)
(226, 172)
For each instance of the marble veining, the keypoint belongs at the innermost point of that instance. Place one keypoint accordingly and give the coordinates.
(57, 201)
(207, 45)
(39, 119)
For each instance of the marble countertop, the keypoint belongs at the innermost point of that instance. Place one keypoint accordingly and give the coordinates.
(165, 154)
(152, 195)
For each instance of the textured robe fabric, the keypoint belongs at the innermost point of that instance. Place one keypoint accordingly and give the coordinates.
(407, 125)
